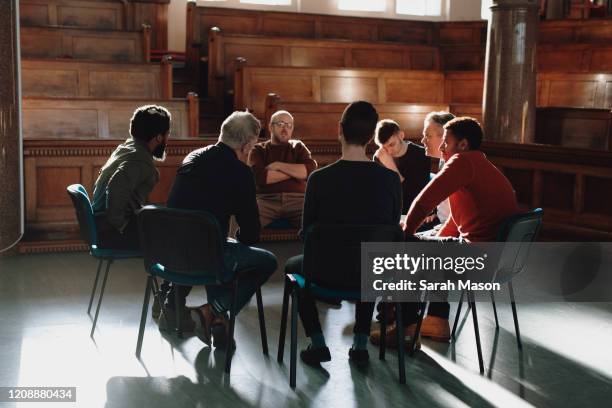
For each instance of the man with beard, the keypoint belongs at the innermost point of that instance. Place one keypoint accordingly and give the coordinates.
(281, 166)
(128, 177)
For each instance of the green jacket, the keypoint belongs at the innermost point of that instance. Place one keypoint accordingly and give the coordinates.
(125, 182)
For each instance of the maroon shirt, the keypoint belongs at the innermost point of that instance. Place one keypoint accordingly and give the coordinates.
(294, 152)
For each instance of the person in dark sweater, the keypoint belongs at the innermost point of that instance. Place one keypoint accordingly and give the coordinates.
(403, 157)
(216, 179)
(281, 166)
(353, 190)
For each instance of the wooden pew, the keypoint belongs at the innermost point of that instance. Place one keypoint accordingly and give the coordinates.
(99, 118)
(575, 127)
(100, 15)
(569, 127)
(584, 57)
(300, 25)
(575, 31)
(378, 86)
(77, 43)
(96, 80)
(223, 49)
(319, 121)
(574, 90)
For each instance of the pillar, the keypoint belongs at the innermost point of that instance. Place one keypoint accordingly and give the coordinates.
(11, 170)
(510, 72)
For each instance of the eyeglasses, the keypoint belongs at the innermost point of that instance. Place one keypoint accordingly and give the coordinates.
(283, 124)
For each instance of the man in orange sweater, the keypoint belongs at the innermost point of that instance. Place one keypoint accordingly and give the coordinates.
(480, 197)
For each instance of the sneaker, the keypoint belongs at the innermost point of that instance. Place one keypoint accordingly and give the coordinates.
(435, 328)
(158, 300)
(391, 337)
(359, 357)
(314, 356)
(203, 318)
(167, 320)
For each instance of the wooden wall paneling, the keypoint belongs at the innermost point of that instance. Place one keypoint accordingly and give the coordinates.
(597, 195)
(566, 31)
(68, 161)
(74, 118)
(45, 42)
(84, 79)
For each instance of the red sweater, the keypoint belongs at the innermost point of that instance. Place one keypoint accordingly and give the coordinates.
(480, 196)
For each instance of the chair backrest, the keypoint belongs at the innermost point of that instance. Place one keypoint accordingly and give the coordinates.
(84, 213)
(332, 253)
(186, 242)
(519, 231)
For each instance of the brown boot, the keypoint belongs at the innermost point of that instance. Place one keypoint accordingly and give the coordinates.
(435, 328)
(391, 337)
(203, 317)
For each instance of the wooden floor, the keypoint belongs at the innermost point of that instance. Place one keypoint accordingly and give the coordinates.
(44, 340)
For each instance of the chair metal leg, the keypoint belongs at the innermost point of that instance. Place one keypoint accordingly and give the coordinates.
(476, 331)
(177, 311)
(457, 315)
(417, 332)
(93, 290)
(262, 322)
(515, 317)
(383, 331)
(283, 327)
(230, 337)
(293, 357)
(494, 311)
(143, 316)
(399, 325)
(93, 326)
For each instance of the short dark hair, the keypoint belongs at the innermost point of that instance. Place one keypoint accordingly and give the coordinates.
(149, 121)
(384, 130)
(358, 123)
(440, 117)
(466, 128)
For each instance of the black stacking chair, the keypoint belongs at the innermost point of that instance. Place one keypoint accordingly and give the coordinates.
(519, 228)
(332, 269)
(89, 234)
(185, 247)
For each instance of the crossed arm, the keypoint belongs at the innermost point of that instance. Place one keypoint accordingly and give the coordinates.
(279, 171)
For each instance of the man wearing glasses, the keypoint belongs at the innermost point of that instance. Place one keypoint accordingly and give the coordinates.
(281, 166)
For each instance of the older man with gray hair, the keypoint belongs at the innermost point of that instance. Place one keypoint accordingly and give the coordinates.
(281, 166)
(216, 179)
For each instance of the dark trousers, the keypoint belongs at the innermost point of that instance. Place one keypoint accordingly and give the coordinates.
(254, 265)
(307, 307)
(110, 238)
(438, 306)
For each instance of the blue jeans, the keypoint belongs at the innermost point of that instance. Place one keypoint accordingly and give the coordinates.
(254, 265)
